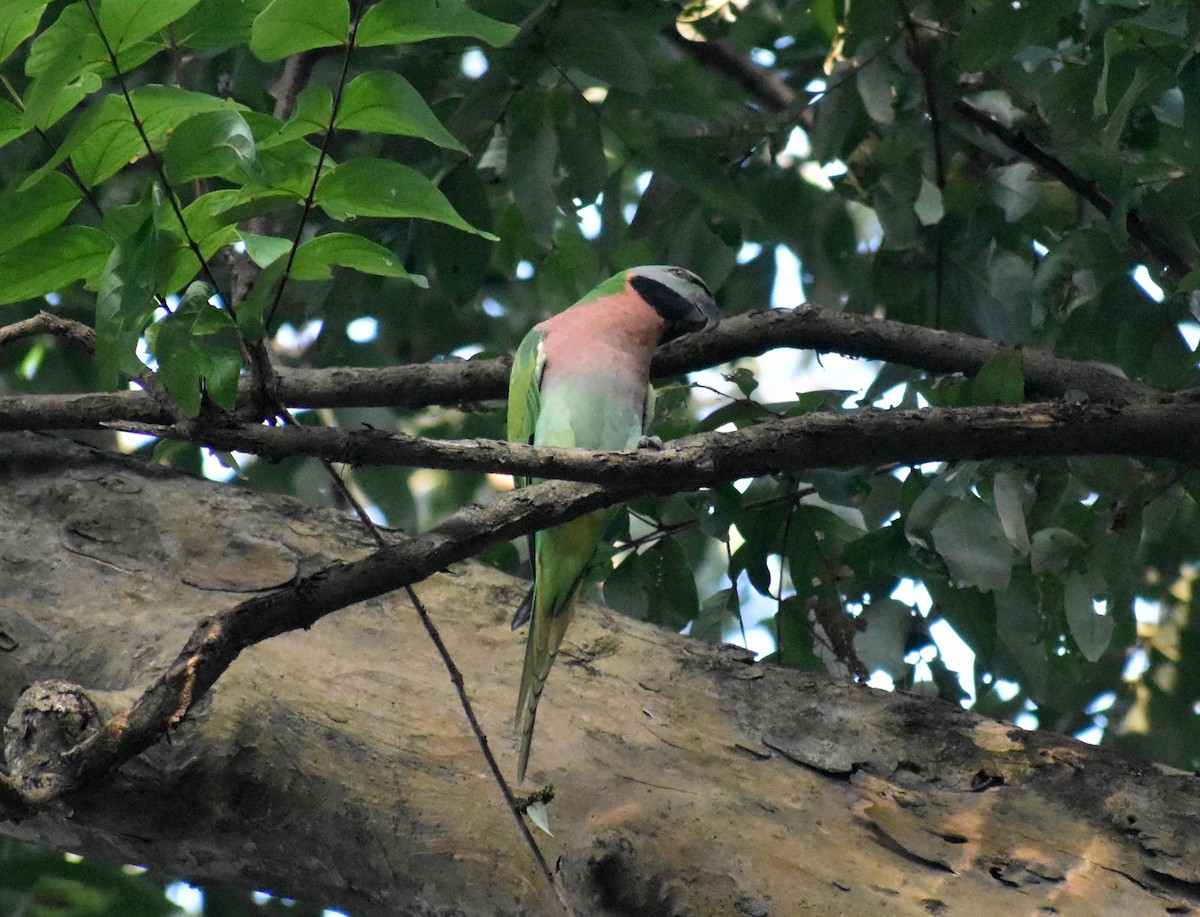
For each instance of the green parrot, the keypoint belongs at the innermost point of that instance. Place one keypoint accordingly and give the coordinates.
(582, 378)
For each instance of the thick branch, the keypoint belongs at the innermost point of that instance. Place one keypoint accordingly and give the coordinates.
(744, 335)
(821, 440)
(217, 641)
(784, 445)
(670, 760)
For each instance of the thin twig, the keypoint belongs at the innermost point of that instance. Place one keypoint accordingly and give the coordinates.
(155, 160)
(511, 800)
(456, 679)
(759, 82)
(918, 53)
(77, 333)
(322, 155)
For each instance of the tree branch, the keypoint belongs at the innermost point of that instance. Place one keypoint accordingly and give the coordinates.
(786, 445)
(77, 333)
(218, 640)
(751, 334)
(1150, 240)
(758, 82)
(343, 743)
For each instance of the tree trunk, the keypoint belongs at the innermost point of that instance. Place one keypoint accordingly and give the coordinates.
(336, 765)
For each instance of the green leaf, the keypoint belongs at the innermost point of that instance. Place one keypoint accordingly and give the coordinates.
(539, 815)
(67, 61)
(289, 168)
(386, 103)
(10, 123)
(30, 212)
(761, 528)
(794, 630)
(1169, 107)
(251, 311)
(698, 166)
(581, 147)
(717, 613)
(127, 21)
(1189, 282)
(399, 22)
(381, 188)
(197, 352)
(1004, 310)
(311, 115)
(816, 536)
(18, 20)
(884, 643)
(212, 143)
(971, 541)
(125, 302)
(460, 262)
(70, 41)
(315, 257)
(655, 585)
(67, 49)
(180, 265)
(1020, 629)
(928, 206)
(52, 262)
(1091, 631)
(1014, 189)
(288, 27)
(1001, 380)
(105, 139)
(1053, 550)
(219, 23)
(743, 378)
(1008, 492)
(532, 164)
(874, 83)
(250, 201)
(265, 250)
(589, 40)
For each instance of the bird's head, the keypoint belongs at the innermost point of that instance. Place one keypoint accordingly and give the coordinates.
(682, 300)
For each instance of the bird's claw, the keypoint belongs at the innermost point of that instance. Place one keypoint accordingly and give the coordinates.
(650, 442)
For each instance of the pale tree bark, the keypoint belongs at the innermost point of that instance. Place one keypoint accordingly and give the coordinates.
(335, 764)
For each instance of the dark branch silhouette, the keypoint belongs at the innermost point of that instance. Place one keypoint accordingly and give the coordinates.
(751, 334)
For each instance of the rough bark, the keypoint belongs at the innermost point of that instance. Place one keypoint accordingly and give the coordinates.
(334, 764)
(750, 334)
(824, 439)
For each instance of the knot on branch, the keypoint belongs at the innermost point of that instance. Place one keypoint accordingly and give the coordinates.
(50, 718)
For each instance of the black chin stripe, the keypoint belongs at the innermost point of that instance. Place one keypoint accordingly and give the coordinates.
(665, 301)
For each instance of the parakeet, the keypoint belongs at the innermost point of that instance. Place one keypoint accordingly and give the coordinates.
(582, 378)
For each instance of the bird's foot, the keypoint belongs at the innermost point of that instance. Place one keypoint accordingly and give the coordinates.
(650, 442)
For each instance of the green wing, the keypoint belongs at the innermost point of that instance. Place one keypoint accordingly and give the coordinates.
(524, 406)
(524, 391)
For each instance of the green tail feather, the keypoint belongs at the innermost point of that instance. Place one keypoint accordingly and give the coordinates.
(546, 634)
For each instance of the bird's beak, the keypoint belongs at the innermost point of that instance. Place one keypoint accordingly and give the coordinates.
(711, 316)
(703, 316)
